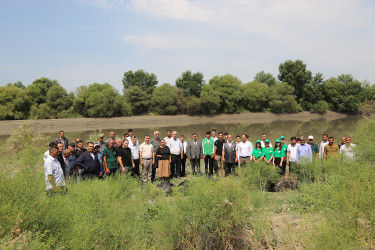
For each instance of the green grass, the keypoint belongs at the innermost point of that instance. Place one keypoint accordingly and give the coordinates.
(334, 207)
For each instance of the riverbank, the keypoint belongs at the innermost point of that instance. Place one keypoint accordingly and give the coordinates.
(146, 121)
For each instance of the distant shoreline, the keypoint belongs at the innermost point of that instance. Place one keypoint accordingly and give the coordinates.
(146, 121)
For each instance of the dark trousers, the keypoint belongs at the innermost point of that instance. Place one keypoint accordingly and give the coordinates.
(175, 165)
(154, 167)
(208, 163)
(183, 165)
(229, 168)
(135, 170)
(112, 171)
(283, 168)
(195, 165)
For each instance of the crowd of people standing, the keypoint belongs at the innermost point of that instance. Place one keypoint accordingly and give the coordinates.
(221, 153)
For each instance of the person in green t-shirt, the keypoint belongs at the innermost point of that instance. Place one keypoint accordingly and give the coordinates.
(267, 152)
(110, 164)
(278, 154)
(285, 149)
(257, 151)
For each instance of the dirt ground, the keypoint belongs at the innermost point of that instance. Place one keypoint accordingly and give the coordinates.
(146, 121)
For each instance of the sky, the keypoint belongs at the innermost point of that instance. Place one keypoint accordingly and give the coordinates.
(79, 42)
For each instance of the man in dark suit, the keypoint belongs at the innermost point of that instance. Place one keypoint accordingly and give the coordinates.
(194, 153)
(89, 162)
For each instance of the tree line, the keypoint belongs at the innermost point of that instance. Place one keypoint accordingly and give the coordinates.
(295, 89)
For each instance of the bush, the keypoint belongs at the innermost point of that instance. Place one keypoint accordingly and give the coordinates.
(282, 99)
(319, 107)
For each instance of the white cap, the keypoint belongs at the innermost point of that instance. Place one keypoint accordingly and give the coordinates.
(310, 137)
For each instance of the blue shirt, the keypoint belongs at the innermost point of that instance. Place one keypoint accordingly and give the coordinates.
(304, 153)
(72, 161)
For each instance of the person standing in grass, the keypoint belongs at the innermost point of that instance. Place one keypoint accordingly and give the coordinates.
(66, 153)
(72, 158)
(267, 152)
(164, 159)
(285, 151)
(278, 156)
(62, 139)
(322, 145)
(208, 153)
(194, 153)
(218, 149)
(245, 150)
(291, 157)
(257, 152)
(184, 156)
(238, 140)
(100, 158)
(156, 142)
(89, 162)
(54, 174)
(175, 147)
(147, 158)
(118, 143)
(125, 158)
(342, 142)
(111, 137)
(230, 156)
(314, 146)
(60, 157)
(304, 152)
(331, 150)
(348, 150)
(134, 147)
(263, 141)
(102, 144)
(110, 164)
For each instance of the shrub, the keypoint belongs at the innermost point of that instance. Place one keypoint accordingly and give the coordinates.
(319, 107)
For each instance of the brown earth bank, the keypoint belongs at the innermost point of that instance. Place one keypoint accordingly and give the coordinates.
(146, 121)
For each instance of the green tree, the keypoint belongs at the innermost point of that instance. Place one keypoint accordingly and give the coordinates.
(228, 87)
(138, 99)
(14, 103)
(255, 96)
(193, 105)
(100, 100)
(58, 100)
(163, 101)
(296, 75)
(210, 100)
(313, 93)
(267, 78)
(40, 111)
(39, 88)
(18, 84)
(319, 107)
(190, 83)
(282, 99)
(140, 78)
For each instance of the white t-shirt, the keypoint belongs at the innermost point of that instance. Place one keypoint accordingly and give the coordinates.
(292, 152)
(146, 150)
(175, 146)
(321, 149)
(131, 142)
(262, 144)
(53, 167)
(245, 149)
(348, 152)
(45, 155)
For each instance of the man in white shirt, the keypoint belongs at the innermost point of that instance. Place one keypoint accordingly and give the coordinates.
(347, 150)
(322, 145)
(175, 147)
(135, 153)
(245, 150)
(184, 156)
(131, 136)
(262, 142)
(46, 154)
(291, 156)
(147, 159)
(168, 137)
(54, 175)
(213, 134)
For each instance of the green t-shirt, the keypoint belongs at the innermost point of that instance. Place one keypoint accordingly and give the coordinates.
(267, 153)
(257, 152)
(278, 153)
(285, 150)
(111, 157)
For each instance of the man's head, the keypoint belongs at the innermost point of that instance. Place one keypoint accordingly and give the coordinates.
(348, 140)
(61, 133)
(208, 134)
(125, 144)
(169, 133)
(303, 140)
(343, 139)
(111, 143)
(126, 135)
(213, 133)
(298, 140)
(72, 146)
(225, 136)
(119, 143)
(134, 140)
(60, 146)
(220, 136)
(238, 139)
(230, 139)
(96, 148)
(54, 152)
(147, 139)
(194, 136)
(282, 139)
(331, 140)
(182, 138)
(325, 137)
(66, 153)
(156, 135)
(90, 147)
(77, 141)
(311, 139)
(264, 136)
(100, 138)
(80, 144)
(243, 138)
(293, 140)
(130, 132)
(112, 134)
(174, 135)
(52, 145)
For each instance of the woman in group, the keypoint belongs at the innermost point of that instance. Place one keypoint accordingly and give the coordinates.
(257, 151)
(164, 159)
(278, 154)
(267, 152)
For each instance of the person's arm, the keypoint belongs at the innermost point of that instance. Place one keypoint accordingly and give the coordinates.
(282, 159)
(50, 179)
(153, 157)
(80, 162)
(236, 160)
(214, 149)
(105, 166)
(325, 153)
(188, 150)
(131, 157)
(170, 159)
(310, 154)
(223, 154)
(203, 150)
(140, 157)
(119, 161)
(273, 161)
(182, 156)
(287, 157)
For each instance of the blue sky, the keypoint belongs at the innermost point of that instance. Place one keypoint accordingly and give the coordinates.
(79, 42)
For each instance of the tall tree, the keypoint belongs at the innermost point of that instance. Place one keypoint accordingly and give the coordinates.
(255, 96)
(296, 75)
(282, 99)
(17, 84)
(163, 101)
(39, 88)
(190, 83)
(267, 78)
(138, 99)
(140, 78)
(14, 103)
(313, 92)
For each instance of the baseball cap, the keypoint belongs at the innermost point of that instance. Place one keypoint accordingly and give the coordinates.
(101, 135)
(72, 144)
(258, 141)
(278, 140)
(310, 137)
(96, 145)
(282, 137)
(267, 140)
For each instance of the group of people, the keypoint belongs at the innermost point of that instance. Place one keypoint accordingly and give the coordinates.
(167, 156)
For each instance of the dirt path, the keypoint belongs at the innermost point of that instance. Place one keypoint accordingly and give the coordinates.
(146, 121)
